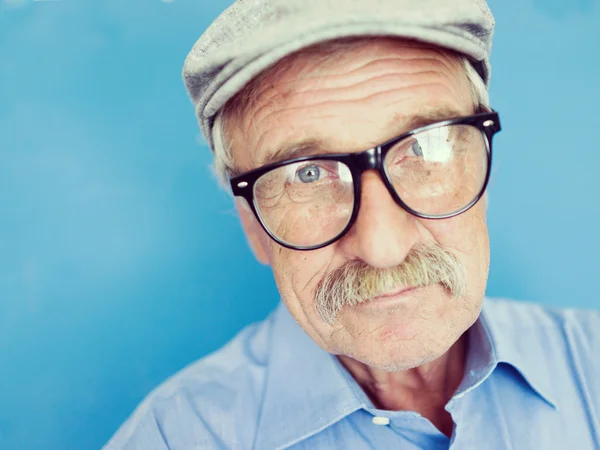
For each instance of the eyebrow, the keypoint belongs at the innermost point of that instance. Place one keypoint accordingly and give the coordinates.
(296, 150)
(311, 146)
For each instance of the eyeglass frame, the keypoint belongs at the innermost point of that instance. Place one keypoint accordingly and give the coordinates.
(242, 185)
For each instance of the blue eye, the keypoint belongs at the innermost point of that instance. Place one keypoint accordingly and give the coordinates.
(309, 174)
(416, 148)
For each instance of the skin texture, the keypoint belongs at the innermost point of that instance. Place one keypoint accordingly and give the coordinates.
(407, 352)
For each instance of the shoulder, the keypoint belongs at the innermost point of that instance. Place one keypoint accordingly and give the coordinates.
(563, 342)
(205, 404)
(580, 326)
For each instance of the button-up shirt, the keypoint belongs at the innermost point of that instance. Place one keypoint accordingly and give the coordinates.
(532, 381)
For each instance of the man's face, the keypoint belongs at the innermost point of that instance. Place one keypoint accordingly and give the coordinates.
(352, 101)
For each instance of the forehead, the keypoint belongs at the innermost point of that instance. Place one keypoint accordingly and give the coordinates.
(345, 96)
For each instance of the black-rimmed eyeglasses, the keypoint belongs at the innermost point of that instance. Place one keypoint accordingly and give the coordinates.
(433, 172)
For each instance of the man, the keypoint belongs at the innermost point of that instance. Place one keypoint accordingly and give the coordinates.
(356, 136)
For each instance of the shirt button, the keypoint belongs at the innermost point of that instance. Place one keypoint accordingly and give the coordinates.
(381, 420)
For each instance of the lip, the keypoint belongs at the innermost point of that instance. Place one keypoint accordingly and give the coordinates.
(389, 299)
(394, 293)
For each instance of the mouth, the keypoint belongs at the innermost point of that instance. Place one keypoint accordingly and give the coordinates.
(392, 298)
(394, 293)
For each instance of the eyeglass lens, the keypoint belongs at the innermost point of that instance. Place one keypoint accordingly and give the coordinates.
(435, 172)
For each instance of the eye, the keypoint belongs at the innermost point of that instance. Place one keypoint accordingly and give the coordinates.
(309, 173)
(416, 148)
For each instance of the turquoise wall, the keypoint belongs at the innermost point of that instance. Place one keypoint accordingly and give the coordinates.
(120, 259)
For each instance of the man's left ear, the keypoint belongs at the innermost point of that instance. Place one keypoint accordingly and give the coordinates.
(257, 238)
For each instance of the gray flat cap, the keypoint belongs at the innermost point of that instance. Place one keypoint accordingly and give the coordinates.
(252, 35)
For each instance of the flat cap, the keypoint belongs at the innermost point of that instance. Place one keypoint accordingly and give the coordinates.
(252, 35)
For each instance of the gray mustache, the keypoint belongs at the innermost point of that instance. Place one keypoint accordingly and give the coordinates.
(356, 282)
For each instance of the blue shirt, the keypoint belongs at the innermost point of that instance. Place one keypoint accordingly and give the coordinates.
(532, 381)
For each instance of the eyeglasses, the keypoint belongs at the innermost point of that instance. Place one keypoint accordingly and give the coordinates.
(433, 172)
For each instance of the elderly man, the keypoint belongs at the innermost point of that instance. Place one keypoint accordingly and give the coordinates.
(356, 136)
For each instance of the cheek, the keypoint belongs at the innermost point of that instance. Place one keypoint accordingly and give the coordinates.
(467, 236)
(297, 274)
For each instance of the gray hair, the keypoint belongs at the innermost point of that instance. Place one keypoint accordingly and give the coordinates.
(356, 282)
(224, 164)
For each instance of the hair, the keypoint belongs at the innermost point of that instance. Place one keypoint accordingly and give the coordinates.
(223, 162)
(356, 282)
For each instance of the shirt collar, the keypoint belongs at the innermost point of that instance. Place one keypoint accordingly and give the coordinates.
(307, 390)
(515, 339)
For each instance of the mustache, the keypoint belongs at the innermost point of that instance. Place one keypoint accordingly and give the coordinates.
(356, 282)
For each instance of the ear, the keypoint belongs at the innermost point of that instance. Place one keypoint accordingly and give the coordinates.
(257, 238)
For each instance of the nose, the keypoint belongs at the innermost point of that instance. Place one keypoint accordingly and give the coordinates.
(383, 232)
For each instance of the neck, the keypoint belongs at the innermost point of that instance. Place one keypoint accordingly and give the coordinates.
(425, 389)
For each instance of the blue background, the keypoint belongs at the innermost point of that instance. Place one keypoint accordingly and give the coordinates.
(121, 261)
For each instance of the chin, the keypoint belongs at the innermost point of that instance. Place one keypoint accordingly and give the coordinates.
(402, 356)
(394, 356)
